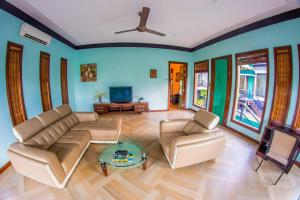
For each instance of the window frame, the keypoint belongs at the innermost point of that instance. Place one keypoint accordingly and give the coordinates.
(244, 54)
(297, 110)
(16, 103)
(208, 87)
(45, 97)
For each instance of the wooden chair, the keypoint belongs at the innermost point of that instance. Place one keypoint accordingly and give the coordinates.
(279, 145)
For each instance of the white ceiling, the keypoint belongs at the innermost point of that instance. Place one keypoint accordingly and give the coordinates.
(187, 23)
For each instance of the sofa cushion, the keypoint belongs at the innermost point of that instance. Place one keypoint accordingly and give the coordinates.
(206, 119)
(86, 116)
(67, 154)
(63, 110)
(166, 138)
(48, 117)
(104, 129)
(81, 138)
(70, 120)
(47, 137)
(27, 129)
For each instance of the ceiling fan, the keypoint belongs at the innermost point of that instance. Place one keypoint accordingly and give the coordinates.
(142, 26)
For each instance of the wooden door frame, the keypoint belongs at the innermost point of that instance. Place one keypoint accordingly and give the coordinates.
(185, 82)
(228, 86)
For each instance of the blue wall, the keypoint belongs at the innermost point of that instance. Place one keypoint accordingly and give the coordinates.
(286, 33)
(10, 29)
(129, 67)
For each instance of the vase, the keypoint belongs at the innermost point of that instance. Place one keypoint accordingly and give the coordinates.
(100, 99)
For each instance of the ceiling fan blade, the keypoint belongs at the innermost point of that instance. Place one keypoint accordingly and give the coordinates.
(154, 32)
(130, 30)
(144, 16)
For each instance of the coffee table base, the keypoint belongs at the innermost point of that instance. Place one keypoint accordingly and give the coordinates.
(104, 167)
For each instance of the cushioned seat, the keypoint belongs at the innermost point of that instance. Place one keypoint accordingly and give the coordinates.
(187, 142)
(104, 129)
(166, 138)
(67, 154)
(81, 138)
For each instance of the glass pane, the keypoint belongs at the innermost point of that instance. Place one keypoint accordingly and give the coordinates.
(250, 102)
(136, 152)
(201, 89)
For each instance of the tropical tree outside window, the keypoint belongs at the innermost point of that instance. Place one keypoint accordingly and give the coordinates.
(201, 84)
(251, 88)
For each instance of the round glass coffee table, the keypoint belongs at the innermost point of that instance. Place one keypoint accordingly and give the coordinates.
(123, 155)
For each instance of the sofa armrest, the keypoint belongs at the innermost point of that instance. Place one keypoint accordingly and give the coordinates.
(86, 116)
(174, 125)
(195, 138)
(22, 155)
(206, 145)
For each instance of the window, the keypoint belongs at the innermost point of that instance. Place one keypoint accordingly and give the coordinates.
(64, 80)
(296, 120)
(283, 84)
(45, 81)
(14, 83)
(251, 89)
(201, 84)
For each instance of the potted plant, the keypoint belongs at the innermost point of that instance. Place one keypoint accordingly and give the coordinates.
(140, 99)
(100, 95)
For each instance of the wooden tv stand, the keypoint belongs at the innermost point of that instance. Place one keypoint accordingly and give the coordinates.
(137, 107)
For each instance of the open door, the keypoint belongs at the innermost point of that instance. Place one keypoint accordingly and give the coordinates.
(177, 85)
(220, 87)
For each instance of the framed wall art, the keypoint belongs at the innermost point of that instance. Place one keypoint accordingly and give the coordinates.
(88, 72)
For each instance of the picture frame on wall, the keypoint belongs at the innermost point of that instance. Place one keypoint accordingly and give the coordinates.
(153, 73)
(88, 72)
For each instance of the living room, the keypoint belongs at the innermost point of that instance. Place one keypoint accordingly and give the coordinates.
(238, 99)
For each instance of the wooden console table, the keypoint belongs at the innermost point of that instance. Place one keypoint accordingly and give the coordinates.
(137, 107)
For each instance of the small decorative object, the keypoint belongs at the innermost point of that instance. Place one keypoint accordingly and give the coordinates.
(122, 156)
(100, 95)
(140, 98)
(153, 73)
(88, 72)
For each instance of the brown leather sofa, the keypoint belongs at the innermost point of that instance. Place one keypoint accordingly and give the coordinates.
(190, 141)
(51, 144)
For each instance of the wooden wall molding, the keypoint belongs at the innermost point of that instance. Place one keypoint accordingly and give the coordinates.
(247, 55)
(64, 80)
(296, 119)
(45, 81)
(7, 165)
(282, 84)
(200, 66)
(228, 87)
(14, 86)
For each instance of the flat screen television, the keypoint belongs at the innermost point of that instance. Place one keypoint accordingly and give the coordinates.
(120, 94)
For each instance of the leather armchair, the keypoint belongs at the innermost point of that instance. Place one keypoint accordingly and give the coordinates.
(190, 141)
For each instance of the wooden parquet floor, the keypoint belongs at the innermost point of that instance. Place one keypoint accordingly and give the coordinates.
(230, 176)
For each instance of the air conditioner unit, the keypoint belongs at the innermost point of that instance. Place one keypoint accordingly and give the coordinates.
(35, 34)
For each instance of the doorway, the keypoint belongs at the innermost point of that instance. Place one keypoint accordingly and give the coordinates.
(220, 87)
(177, 85)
